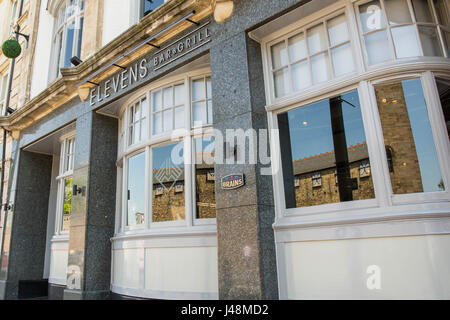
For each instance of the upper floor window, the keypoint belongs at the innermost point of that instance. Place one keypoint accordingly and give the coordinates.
(68, 33)
(404, 28)
(148, 6)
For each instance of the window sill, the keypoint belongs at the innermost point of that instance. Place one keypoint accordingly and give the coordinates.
(411, 212)
(209, 230)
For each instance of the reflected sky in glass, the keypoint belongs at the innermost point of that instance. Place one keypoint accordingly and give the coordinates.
(136, 188)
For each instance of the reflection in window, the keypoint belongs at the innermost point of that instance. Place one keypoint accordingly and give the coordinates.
(322, 146)
(67, 204)
(149, 6)
(136, 192)
(65, 182)
(408, 137)
(204, 178)
(444, 96)
(168, 172)
(312, 56)
(415, 28)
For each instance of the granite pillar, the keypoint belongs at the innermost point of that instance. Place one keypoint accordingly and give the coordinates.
(93, 209)
(26, 226)
(246, 246)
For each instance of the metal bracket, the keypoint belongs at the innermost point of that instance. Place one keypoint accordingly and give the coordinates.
(76, 190)
(27, 37)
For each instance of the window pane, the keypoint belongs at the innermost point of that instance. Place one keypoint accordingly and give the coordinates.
(422, 11)
(337, 30)
(167, 97)
(69, 44)
(157, 100)
(200, 116)
(318, 142)
(157, 123)
(377, 46)
(179, 94)
(204, 178)
(67, 204)
(144, 116)
(342, 60)
(371, 16)
(430, 41)
(297, 48)
(168, 183)
(208, 88)
(279, 55)
(136, 190)
(179, 117)
(444, 96)
(168, 120)
(210, 112)
(319, 67)
(80, 37)
(301, 77)
(316, 39)
(405, 42)
(150, 5)
(408, 137)
(198, 90)
(281, 81)
(397, 12)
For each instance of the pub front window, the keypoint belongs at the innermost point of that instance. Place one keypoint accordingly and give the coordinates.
(359, 94)
(168, 181)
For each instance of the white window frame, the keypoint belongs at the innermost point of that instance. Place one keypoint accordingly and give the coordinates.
(311, 22)
(385, 205)
(62, 176)
(60, 28)
(413, 23)
(206, 100)
(148, 143)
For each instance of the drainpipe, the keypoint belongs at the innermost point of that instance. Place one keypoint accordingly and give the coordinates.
(6, 111)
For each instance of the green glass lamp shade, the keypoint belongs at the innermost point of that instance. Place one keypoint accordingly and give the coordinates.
(11, 49)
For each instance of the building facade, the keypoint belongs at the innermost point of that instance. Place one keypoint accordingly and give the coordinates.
(214, 149)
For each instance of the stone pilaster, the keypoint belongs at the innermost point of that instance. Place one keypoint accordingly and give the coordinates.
(246, 246)
(92, 220)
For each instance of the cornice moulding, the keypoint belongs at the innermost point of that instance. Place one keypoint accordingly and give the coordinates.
(63, 89)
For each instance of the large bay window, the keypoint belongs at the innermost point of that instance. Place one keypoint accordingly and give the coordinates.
(68, 34)
(359, 94)
(167, 181)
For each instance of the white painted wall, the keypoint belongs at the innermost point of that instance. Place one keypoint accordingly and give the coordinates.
(117, 17)
(39, 80)
(58, 265)
(151, 270)
(412, 267)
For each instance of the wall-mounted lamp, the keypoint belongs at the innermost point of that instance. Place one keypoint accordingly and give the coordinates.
(223, 10)
(84, 90)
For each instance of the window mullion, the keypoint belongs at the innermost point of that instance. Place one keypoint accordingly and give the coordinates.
(388, 29)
